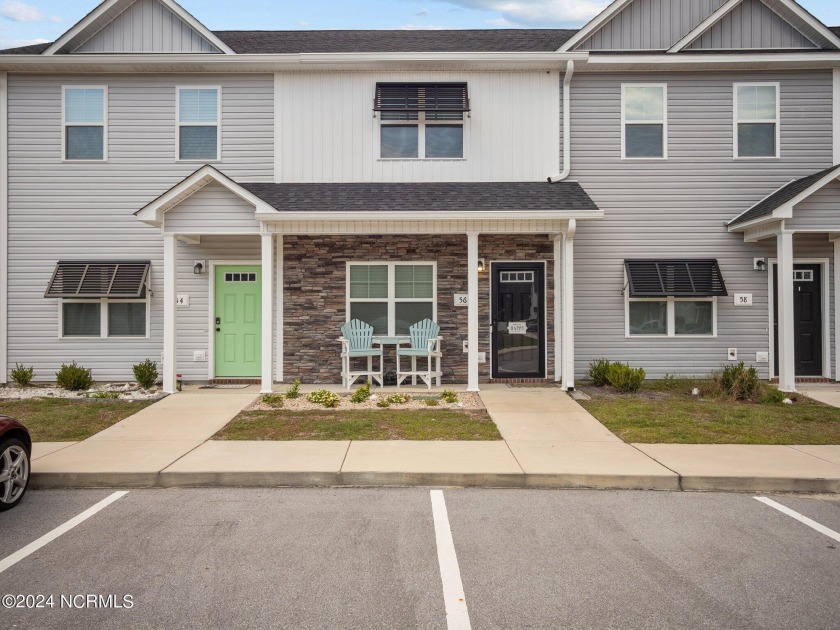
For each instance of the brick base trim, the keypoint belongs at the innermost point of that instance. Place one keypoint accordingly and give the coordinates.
(236, 381)
(808, 379)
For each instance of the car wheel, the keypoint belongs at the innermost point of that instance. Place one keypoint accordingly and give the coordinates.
(14, 473)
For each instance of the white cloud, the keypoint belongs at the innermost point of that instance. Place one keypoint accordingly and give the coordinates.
(500, 22)
(302, 24)
(538, 12)
(17, 43)
(422, 12)
(425, 27)
(21, 12)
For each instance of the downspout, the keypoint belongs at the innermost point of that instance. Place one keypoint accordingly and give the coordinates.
(567, 124)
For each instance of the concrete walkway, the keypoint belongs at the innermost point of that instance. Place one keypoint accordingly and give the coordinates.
(549, 441)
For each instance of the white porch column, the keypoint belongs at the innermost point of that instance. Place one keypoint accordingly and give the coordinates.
(472, 311)
(170, 313)
(558, 306)
(278, 371)
(568, 323)
(836, 240)
(786, 367)
(267, 313)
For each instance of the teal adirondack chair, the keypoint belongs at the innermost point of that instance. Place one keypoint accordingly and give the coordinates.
(425, 343)
(357, 342)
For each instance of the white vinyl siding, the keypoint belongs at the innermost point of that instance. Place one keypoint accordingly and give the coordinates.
(757, 112)
(644, 121)
(84, 128)
(391, 296)
(670, 317)
(199, 114)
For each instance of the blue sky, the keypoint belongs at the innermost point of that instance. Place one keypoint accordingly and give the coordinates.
(29, 21)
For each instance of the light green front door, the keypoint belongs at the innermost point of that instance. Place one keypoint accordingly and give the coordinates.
(238, 321)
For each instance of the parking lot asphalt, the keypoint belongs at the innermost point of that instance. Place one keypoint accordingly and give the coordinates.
(369, 558)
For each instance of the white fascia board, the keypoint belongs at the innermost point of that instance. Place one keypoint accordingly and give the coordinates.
(811, 21)
(595, 23)
(153, 212)
(705, 25)
(94, 15)
(556, 215)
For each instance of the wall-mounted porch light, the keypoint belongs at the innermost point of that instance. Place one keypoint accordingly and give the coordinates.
(199, 268)
(481, 265)
(759, 264)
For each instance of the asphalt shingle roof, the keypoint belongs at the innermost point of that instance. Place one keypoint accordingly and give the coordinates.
(366, 198)
(786, 193)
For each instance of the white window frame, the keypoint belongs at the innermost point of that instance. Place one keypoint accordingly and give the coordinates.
(663, 121)
(65, 124)
(736, 121)
(670, 319)
(391, 300)
(103, 318)
(179, 124)
(421, 123)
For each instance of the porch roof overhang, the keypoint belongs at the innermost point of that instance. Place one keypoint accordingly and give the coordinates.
(762, 219)
(393, 207)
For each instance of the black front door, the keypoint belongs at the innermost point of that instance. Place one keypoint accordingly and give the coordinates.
(518, 308)
(807, 319)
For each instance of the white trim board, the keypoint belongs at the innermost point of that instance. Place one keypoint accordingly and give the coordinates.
(4, 226)
(826, 312)
(736, 121)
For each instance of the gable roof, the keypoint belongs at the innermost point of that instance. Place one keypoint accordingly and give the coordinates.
(787, 195)
(108, 10)
(609, 12)
(788, 10)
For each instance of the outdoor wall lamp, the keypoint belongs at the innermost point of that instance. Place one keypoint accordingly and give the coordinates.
(480, 265)
(199, 268)
(759, 264)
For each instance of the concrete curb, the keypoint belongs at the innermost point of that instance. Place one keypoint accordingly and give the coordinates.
(271, 479)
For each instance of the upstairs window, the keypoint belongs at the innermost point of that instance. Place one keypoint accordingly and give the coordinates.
(199, 139)
(644, 133)
(84, 123)
(421, 120)
(756, 130)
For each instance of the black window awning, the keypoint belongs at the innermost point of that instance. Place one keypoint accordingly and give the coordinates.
(421, 97)
(675, 278)
(99, 279)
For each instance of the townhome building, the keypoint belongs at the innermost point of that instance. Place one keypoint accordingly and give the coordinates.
(659, 187)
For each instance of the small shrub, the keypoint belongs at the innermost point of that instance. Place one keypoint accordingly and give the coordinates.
(294, 390)
(272, 400)
(448, 396)
(104, 395)
(361, 394)
(599, 372)
(146, 374)
(23, 376)
(398, 399)
(384, 404)
(74, 378)
(626, 379)
(324, 397)
(773, 396)
(739, 382)
(432, 402)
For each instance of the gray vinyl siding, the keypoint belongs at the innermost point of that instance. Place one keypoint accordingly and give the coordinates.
(821, 211)
(212, 210)
(678, 207)
(651, 24)
(75, 211)
(751, 25)
(147, 26)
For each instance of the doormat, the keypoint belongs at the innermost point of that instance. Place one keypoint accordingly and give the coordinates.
(224, 386)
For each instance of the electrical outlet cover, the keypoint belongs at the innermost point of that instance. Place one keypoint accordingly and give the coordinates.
(762, 357)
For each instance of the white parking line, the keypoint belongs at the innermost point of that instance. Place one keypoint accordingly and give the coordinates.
(802, 519)
(457, 615)
(46, 539)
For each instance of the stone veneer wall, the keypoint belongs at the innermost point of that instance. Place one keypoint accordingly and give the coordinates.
(315, 286)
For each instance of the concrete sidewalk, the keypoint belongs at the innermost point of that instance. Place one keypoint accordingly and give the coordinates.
(549, 441)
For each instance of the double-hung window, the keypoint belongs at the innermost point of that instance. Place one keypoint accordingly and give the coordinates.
(84, 123)
(105, 318)
(644, 121)
(672, 298)
(421, 120)
(199, 137)
(391, 296)
(757, 131)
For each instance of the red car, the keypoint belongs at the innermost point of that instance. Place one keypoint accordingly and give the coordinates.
(15, 453)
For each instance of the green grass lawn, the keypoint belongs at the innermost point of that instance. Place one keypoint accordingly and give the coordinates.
(62, 420)
(391, 424)
(666, 412)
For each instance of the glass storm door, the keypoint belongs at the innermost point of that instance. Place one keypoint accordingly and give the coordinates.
(518, 318)
(238, 315)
